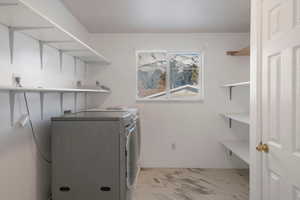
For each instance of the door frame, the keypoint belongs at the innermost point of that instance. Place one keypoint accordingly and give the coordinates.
(255, 100)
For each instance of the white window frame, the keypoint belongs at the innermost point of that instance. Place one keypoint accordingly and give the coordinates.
(199, 97)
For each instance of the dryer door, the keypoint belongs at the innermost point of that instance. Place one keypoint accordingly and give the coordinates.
(132, 156)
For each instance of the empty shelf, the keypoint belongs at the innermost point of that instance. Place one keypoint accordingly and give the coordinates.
(247, 83)
(12, 91)
(21, 17)
(239, 148)
(240, 117)
(51, 90)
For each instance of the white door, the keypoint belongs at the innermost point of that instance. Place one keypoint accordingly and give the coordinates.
(281, 99)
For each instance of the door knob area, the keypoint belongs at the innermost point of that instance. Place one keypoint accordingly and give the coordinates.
(262, 148)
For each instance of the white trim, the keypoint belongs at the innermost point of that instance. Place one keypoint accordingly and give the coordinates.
(199, 97)
(255, 100)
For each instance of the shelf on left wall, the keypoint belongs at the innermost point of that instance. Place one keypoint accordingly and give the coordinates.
(20, 17)
(12, 91)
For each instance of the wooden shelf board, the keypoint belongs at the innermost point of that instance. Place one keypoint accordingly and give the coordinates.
(242, 52)
(239, 148)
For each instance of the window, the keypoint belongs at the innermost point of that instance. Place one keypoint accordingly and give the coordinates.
(167, 75)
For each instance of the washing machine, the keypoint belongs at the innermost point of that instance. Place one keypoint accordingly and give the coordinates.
(95, 155)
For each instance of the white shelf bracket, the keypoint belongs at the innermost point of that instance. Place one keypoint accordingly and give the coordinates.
(230, 93)
(75, 101)
(75, 65)
(42, 95)
(11, 33)
(62, 103)
(230, 122)
(85, 69)
(60, 60)
(12, 106)
(85, 101)
(41, 46)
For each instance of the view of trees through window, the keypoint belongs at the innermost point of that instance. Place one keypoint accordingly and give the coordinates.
(165, 75)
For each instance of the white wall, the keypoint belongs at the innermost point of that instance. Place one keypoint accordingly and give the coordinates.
(23, 175)
(195, 128)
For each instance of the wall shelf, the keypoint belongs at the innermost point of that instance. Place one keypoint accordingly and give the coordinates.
(51, 90)
(239, 148)
(232, 85)
(20, 17)
(239, 117)
(241, 52)
(12, 91)
(246, 83)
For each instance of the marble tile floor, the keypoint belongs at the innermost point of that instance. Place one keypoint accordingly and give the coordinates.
(192, 184)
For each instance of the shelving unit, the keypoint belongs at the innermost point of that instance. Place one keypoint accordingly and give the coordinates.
(239, 117)
(232, 85)
(241, 52)
(19, 17)
(239, 148)
(12, 91)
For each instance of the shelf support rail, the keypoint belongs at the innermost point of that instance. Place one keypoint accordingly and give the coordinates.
(85, 69)
(85, 101)
(75, 65)
(41, 46)
(12, 106)
(230, 92)
(12, 30)
(61, 52)
(42, 95)
(62, 103)
(75, 101)
(60, 60)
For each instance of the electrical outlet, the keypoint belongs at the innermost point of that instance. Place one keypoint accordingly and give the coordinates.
(16, 79)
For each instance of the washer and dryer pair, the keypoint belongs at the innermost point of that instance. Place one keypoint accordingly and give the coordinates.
(95, 155)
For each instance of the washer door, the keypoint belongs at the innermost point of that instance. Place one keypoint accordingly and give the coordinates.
(132, 156)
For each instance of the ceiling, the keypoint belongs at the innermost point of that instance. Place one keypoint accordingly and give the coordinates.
(162, 16)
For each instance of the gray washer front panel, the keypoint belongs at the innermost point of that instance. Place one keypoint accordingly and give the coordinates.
(88, 156)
